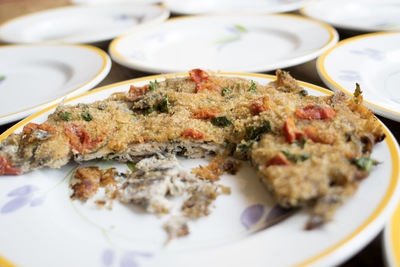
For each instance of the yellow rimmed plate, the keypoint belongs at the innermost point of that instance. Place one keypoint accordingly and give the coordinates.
(189, 7)
(391, 240)
(80, 24)
(371, 60)
(36, 215)
(356, 15)
(240, 43)
(33, 77)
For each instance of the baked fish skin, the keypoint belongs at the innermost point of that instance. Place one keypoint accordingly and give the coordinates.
(307, 150)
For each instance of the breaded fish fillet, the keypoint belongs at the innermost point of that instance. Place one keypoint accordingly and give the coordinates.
(307, 150)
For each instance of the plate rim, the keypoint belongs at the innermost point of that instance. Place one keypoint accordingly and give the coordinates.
(391, 240)
(332, 84)
(132, 64)
(162, 17)
(336, 253)
(291, 7)
(303, 11)
(92, 82)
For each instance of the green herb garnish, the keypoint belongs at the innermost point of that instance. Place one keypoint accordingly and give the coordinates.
(296, 158)
(225, 91)
(301, 142)
(67, 116)
(2, 77)
(163, 106)
(222, 121)
(86, 116)
(153, 85)
(253, 86)
(303, 93)
(357, 94)
(149, 110)
(244, 147)
(131, 166)
(365, 163)
(240, 28)
(254, 133)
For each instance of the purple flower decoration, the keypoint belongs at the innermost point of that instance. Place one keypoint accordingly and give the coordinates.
(129, 259)
(23, 191)
(370, 52)
(251, 215)
(108, 257)
(349, 75)
(20, 197)
(15, 204)
(37, 201)
(278, 214)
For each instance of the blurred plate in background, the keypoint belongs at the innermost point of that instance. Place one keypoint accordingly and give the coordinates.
(80, 24)
(96, 2)
(240, 43)
(231, 6)
(33, 77)
(373, 61)
(358, 15)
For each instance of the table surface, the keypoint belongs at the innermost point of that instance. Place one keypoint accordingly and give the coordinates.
(370, 255)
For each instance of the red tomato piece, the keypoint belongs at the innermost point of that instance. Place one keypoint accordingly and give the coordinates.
(7, 168)
(315, 112)
(192, 133)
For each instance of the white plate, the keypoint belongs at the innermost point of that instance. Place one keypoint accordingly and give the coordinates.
(373, 61)
(37, 76)
(40, 223)
(359, 15)
(96, 2)
(240, 43)
(232, 6)
(80, 24)
(391, 240)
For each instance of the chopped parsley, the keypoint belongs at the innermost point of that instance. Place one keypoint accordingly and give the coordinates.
(254, 133)
(67, 116)
(301, 142)
(222, 121)
(163, 106)
(357, 94)
(131, 166)
(364, 163)
(225, 91)
(253, 86)
(296, 158)
(153, 85)
(244, 147)
(148, 110)
(86, 116)
(303, 93)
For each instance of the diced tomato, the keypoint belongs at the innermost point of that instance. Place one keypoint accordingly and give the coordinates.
(7, 168)
(79, 138)
(135, 92)
(204, 114)
(33, 126)
(198, 75)
(290, 132)
(315, 112)
(192, 133)
(278, 159)
(258, 106)
(315, 135)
